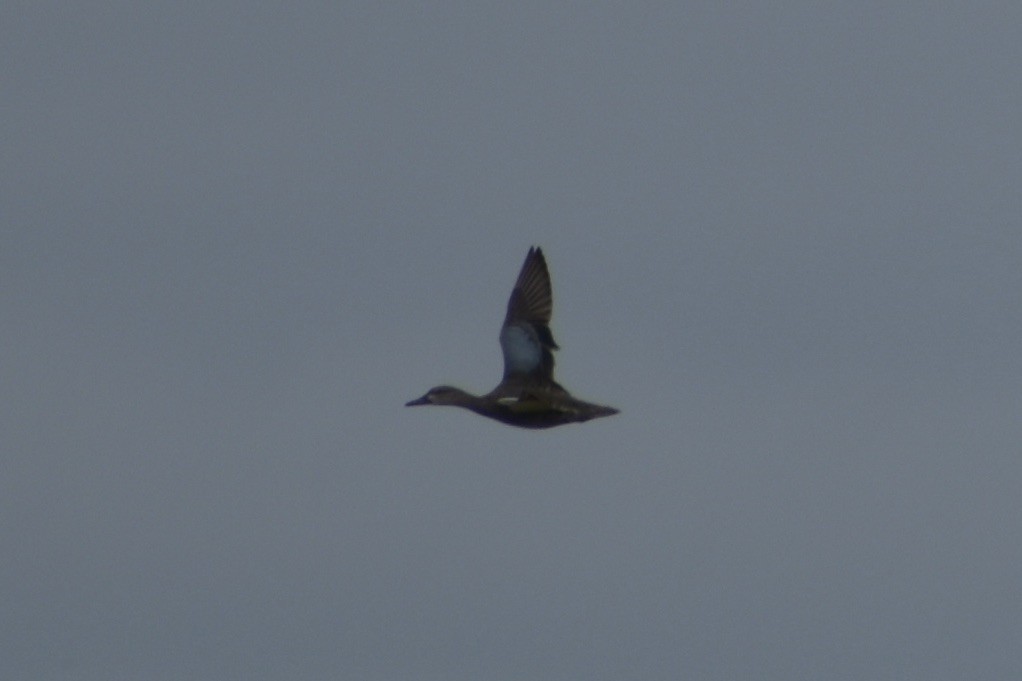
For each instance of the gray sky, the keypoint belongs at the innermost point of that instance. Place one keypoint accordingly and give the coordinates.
(784, 241)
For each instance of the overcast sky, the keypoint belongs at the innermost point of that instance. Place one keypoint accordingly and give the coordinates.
(785, 241)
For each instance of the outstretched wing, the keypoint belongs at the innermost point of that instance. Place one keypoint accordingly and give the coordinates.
(525, 337)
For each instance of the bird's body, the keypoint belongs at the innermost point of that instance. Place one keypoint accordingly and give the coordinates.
(527, 396)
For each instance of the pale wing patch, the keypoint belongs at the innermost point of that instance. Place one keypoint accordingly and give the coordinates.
(522, 353)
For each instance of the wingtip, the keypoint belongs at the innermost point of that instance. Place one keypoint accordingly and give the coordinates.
(536, 254)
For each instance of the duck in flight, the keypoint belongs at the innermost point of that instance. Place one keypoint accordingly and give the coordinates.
(527, 396)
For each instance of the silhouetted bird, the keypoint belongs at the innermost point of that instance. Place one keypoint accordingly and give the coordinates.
(528, 396)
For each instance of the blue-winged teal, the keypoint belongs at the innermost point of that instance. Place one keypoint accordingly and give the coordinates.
(528, 396)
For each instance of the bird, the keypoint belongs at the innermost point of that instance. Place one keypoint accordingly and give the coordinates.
(527, 396)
